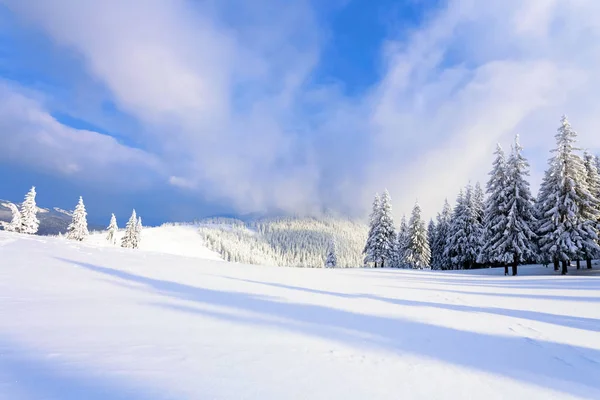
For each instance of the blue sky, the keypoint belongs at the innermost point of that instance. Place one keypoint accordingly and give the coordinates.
(184, 108)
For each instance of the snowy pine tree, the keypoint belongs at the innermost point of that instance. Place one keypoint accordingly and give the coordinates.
(387, 232)
(496, 211)
(431, 232)
(592, 179)
(438, 259)
(401, 244)
(15, 224)
(29, 220)
(129, 239)
(138, 232)
(597, 162)
(565, 206)
(78, 229)
(380, 246)
(112, 230)
(477, 215)
(370, 251)
(331, 260)
(465, 237)
(518, 241)
(418, 253)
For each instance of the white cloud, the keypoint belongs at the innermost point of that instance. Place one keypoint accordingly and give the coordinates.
(30, 136)
(221, 88)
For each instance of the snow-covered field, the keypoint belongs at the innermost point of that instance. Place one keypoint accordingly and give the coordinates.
(181, 240)
(82, 321)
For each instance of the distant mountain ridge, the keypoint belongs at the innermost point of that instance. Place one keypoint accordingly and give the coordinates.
(52, 220)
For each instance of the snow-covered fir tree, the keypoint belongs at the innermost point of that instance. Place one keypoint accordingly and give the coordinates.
(518, 242)
(567, 209)
(138, 231)
(387, 232)
(597, 160)
(402, 244)
(477, 215)
(78, 229)
(380, 246)
(15, 224)
(496, 211)
(465, 236)
(130, 238)
(331, 260)
(438, 259)
(112, 230)
(371, 251)
(592, 179)
(431, 229)
(29, 220)
(418, 253)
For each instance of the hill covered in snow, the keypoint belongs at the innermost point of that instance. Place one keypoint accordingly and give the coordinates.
(287, 241)
(84, 321)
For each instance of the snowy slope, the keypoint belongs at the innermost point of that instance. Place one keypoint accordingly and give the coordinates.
(85, 322)
(182, 240)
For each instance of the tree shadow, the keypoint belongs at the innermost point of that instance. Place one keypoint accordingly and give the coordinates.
(587, 299)
(27, 376)
(590, 324)
(565, 368)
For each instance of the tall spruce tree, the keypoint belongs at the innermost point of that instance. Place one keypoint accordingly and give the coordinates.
(565, 205)
(29, 221)
(418, 252)
(402, 244)
(438, 259)
(370, 250)
(518, 242)
(112, 230)
(129, 239)
(78, 229)
(496, 212)
(386, 233)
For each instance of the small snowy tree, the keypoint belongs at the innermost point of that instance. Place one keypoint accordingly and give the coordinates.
(15, 223)
(78, 229)
(138, 231)
(331, 260)
(129, 239)
(112, 230)
(29, 221)
(438, 259)
(418, 253)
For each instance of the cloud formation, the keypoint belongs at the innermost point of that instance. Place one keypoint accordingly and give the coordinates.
(226, 96)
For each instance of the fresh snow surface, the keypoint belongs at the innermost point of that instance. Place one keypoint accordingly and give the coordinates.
(79, 321)
(181, 240)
